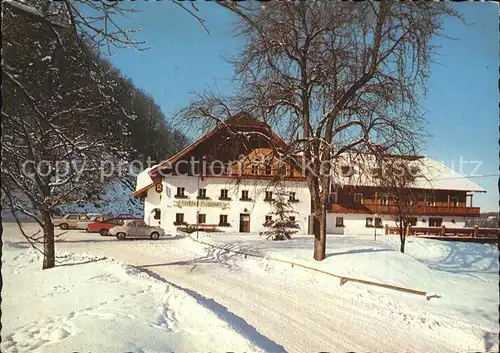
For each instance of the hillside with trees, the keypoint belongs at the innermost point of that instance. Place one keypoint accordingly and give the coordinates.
(66, 111)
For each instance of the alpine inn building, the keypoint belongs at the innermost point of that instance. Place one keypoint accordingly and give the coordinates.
(226, 179)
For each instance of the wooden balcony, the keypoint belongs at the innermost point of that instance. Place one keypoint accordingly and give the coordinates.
(417, 210)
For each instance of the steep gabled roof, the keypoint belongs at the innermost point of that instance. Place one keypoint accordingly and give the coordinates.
(239, 121)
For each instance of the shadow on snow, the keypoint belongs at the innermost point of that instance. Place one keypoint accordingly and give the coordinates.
(236, 322)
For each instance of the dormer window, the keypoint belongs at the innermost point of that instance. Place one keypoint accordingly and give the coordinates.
(332, 197)
(358, 198)
(377, 173)
(347, 170)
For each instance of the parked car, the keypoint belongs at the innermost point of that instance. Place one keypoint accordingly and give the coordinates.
(102, 226)
(70, 220)
(126, 216)
(92, 217)
(136, 228)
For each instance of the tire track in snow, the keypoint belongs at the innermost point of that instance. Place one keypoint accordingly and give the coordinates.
(294, 316)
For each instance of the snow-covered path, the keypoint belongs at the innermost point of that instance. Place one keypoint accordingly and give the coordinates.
(278, 313)
(94, 304)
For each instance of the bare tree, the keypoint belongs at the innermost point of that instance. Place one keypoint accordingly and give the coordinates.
(59, 119)
(335, 77)
(397, 182)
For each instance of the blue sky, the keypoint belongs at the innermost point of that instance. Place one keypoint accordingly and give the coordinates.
(462, 101)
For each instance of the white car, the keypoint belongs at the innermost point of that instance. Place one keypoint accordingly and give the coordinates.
(136, 228)
(92, 217)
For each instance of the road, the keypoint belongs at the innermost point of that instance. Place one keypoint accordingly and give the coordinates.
(276, 314)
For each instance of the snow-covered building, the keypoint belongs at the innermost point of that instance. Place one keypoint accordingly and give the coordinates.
(228, 178)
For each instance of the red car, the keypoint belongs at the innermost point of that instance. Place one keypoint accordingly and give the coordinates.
(103, 226)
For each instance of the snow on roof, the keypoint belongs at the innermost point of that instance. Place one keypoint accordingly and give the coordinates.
(433, 174)
(143, 179)
(442, 177)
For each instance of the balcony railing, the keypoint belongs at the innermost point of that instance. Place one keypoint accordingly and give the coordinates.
(417, 210)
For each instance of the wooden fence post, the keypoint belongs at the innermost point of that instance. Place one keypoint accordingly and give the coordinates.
(386, 229)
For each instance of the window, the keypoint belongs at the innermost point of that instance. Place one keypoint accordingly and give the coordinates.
(202, 193)
(268, 170)
(429, 201)
(384, 201)
(412, 221)
(291, 197)
(72, 216)
(369, 222)
(269, 218)
(254, 169)
(179, 218)
(435, 222)
(377, 173)
(339, 221)
(358, 198)
(378, 222)
(223, 220)
(292, 218)
(157, 213)
(347, 171)
(454, 201)
(140, 223)
(244, 195)
(115, 221)
(269, 196)
(332, 197)
(224, 194)
(180, 192)
(202, 218)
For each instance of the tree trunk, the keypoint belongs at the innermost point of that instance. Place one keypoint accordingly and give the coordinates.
(320, 233)
(402, 235)
(49, 254)
(403, 240)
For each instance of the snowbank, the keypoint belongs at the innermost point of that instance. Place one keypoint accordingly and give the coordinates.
(463, 275)
(93, 304)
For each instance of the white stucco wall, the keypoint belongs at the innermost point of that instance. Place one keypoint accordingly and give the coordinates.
(257, 208)
(355, 224)
(151, 201)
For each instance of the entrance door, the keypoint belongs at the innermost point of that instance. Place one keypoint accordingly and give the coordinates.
(244, 223)
(155, 217)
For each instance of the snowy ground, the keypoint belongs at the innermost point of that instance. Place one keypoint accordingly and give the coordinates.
(464, 275)
(278, 308)
(92, 304)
